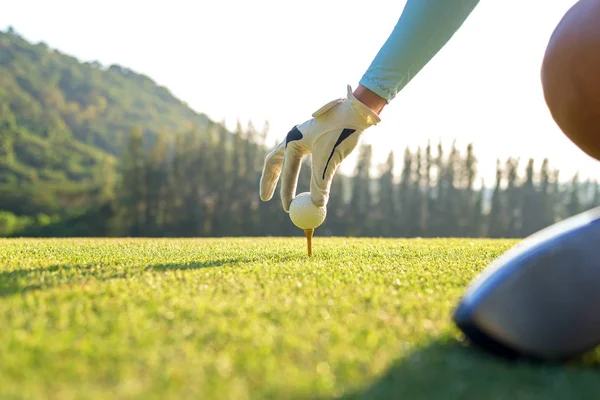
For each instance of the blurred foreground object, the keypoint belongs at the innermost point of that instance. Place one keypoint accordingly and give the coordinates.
(571, 75)
(539, 299)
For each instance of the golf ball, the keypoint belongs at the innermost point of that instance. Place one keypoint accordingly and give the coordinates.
(305, 214)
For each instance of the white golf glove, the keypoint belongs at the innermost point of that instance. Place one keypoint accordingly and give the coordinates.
(331, 135)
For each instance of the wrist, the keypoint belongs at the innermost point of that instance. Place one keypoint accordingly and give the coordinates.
(370, 99)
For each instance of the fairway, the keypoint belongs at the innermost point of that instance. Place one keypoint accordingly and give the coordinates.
(254, 318)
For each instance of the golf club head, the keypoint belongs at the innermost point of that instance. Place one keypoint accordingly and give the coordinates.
(540, 299)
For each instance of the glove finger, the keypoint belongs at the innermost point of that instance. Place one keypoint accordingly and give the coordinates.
(291, 170)
(327, 157)
(271, 171)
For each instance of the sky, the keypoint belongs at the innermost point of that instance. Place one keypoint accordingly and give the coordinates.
(275, 61)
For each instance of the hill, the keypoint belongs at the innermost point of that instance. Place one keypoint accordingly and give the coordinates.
(64, 122)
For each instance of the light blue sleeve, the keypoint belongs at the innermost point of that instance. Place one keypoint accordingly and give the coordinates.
(424, 27)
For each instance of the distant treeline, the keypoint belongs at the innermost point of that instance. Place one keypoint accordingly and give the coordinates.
(205, 183)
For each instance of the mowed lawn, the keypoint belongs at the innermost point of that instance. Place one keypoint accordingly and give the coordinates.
(254, 319)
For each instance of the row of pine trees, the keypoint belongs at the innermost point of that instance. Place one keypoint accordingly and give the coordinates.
(206, 184)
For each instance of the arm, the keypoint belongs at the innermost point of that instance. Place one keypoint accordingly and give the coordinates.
(424, 27)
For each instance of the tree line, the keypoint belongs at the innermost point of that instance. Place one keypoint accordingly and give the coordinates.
(206, 184)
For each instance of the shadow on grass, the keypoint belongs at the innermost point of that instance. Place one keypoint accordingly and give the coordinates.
(230, 262)
(227, 262)
(450, 370)
(22, 281)
(26, 280)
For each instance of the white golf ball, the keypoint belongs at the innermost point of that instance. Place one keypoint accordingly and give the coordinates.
(305, 214)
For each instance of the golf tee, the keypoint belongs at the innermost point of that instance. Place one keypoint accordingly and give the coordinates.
(309, 235)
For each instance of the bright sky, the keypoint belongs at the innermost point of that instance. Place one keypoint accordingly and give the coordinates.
(280, 61)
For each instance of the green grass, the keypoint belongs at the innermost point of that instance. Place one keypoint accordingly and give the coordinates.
(254, 319)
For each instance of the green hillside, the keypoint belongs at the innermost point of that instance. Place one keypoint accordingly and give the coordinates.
(64, 122)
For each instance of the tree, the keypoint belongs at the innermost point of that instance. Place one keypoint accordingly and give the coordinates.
(156, 176)
(424, 224)
(450, 196)
(531, 203)
(471, 202)
(574, 205)
(6, 147)
(133, 190)
(497, 217)
(513, 200)
(405, 194)
(361, 190)
(416, 200)
(596, 196)
(545, 206)
(386, 207)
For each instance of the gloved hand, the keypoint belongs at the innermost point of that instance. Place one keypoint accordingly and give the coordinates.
(331, 135)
